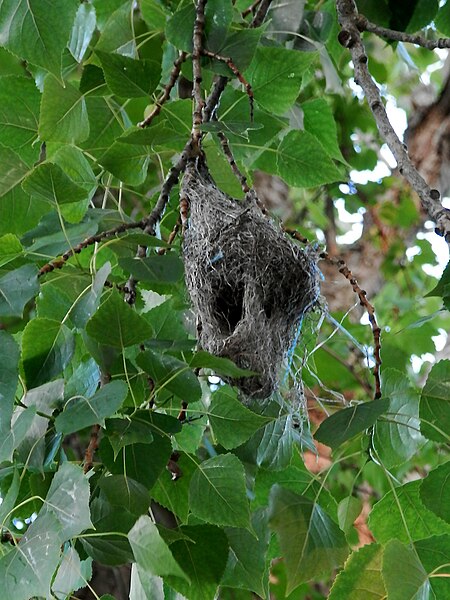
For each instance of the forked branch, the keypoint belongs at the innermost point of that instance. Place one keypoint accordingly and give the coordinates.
(350, 37)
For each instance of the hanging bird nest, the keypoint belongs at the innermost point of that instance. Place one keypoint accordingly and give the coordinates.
(249, 284)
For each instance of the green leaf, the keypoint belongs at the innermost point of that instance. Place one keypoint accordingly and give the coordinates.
(142, 462)
(217, 492)
(276, 77)
(302, 161)
(19, 113)
(127, 162)
(173, 494)
(64, 117)
(83, 412)
(194, 550)
(311, 543)
(318, 119)
(128, 77)
(433, 553)
(37, 30)
(82, 31)
(151, 552)
(442, 20)
(295, 478)
(435, 403)
(423, 13)
(72, 574)
(116, 324)
(361, 577)
(398, 438)
(276, 443)
(124, 432)
(232, 423)
(218, 364)
(9, 499)
(239, 45)
(247, 567)
(348, 510)
(402, 508)
(48, 181)
(13, 171)
(167, 268)
(117, 34)
(30, 566)
(16, 289)
(123, 491)
(47, 347)
(403, 573)
(86, 306)
(45, 399)
(346, 423)
(440, 288)
(172, 374)
(154, 14)
(68, 500)
(435, 491)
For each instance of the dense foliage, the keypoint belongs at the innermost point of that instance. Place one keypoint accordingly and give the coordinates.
(119, 442)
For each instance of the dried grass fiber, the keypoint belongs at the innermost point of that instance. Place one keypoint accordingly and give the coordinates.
(248, 282)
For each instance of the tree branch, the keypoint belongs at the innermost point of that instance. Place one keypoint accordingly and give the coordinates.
(166, 93)
(197, 40)
(350, 37)
(400, 36)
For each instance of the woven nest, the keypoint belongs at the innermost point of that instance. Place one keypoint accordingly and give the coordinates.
(249, 284)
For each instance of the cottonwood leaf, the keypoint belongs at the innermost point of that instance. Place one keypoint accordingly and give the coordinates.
(247, 566)
(276, 77)
(83, 412)
(127, 162)
(172, 374)
(82, 31)
(194, 549)
(433, 553)
(435, 403)
(19, 115)
(398, 437)
(14, 170)
(16, 290)
(346, 423)
(124, 432)
(217, 492)
(47, 347)
(37, 30)
(72, 574)
(219, 364)
(232, 423)
(173, 494)
(128, 77)
(68, 500)
(167, 268)
(30, 566)
(116, 324)
(123, 491)
(64, 117)
(361, 577)
(303, 162)
(403, 573)
(151, 552)
(318, 119)
(49, 182)
(311, 543)
(435, 491)
(400, 509)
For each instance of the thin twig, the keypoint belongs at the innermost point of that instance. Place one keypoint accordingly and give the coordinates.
(350, 37)
(159, 208)
(172, 236)
(362, 295)
(89, 241)
(230, 64)
(261, 13)
(93, 441)
(250, 9)
(166, 93)
(197, 40)
(400, 36)
(229, 155)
